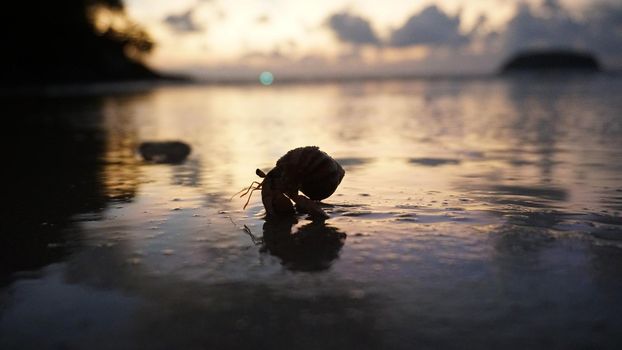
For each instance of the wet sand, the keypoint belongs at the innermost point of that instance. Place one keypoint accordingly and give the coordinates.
(473, 213)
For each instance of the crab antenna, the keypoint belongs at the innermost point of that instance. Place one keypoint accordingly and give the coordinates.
(251, 188)
(246, 189)
(250, 195)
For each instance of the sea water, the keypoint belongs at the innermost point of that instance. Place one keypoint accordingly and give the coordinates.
(474, 213)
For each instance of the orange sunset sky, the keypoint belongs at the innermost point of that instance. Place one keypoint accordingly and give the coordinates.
(217, 38)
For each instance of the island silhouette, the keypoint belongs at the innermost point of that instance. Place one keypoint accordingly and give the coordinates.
(551, 60)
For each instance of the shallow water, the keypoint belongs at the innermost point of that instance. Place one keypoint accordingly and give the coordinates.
(473, 213)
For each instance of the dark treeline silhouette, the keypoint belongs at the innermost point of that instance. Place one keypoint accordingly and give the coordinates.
(71, 41)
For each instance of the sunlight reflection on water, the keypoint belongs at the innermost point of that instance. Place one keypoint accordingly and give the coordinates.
(465, 205)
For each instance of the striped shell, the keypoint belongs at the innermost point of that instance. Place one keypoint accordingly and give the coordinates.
(313, 172)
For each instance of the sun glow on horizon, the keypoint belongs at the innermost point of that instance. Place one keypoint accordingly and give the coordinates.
(251, 35)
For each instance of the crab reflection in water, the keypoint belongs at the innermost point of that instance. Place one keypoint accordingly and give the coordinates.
(312, 247)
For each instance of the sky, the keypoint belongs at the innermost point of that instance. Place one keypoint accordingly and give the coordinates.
(218, 39)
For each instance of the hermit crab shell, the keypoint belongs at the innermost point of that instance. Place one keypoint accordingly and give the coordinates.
(313, 172)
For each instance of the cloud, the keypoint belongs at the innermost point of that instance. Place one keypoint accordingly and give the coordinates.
(183, 23)
(273, 55)
(429, 27)
(432, 41)
(352, 29)
(606, 29)
(263, 19)
(528, 30)
(598, 30)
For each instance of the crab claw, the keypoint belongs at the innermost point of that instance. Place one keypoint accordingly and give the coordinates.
(275, 202)
(311, 207)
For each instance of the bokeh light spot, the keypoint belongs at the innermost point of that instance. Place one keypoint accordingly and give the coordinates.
(266, 78)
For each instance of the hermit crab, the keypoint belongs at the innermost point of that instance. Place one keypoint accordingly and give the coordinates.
(304, 169)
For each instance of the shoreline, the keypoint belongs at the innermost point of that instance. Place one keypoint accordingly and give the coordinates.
(137, 85)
